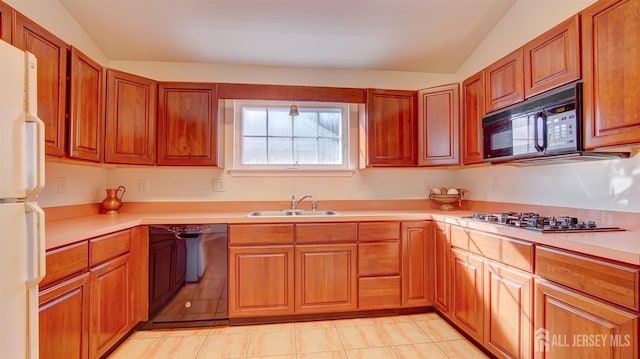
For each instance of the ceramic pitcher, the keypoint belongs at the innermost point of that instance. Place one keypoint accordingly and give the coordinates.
(112, 203)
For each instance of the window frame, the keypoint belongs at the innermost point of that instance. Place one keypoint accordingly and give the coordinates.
(284, 168)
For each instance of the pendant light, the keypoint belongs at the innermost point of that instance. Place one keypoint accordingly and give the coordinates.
(293, 109)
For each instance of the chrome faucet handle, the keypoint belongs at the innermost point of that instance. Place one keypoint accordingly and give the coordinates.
(314, 205)
(293, 202)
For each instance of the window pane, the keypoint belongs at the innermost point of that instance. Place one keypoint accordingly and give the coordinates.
(279, 122)
(306, 124)
(280, 151)
(306, 150)
(254, 122)
(329, 151)
(330, 123)
(254, 150)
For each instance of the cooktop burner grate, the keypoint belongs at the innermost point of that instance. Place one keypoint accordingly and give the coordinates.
(542, 223)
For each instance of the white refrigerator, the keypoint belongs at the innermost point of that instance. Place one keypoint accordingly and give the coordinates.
(22, 246)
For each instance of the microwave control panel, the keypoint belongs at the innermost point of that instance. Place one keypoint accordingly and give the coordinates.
(562, 129)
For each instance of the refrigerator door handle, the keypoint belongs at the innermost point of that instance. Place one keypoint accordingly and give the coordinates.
(37, 245)
(37, 182)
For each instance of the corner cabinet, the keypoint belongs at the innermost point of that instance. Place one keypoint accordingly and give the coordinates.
(187, 124)
(553, 58)
(504, 82)
(442, 247)
(130, 136)
(5, 22)
(86, 114)
(51, 53)
(472, 112)
(439, 125)
(391, 128)
(611, 74)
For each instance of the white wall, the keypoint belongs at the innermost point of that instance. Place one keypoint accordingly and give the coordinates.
(67, 184)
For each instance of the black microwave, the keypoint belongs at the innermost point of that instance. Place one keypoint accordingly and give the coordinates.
(546, 125)
(544, 129)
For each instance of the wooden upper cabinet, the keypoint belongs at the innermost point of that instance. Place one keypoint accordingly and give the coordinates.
(187, 124)
(439, 125)
(472, 112)
(51, 53)
(130, 135)
(391, 128)
(504, 82)
(86, 113)
(611, 73)
(553, 58)
(5, 22)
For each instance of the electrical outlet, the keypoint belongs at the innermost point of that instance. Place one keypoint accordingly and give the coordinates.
(217, 185)
(495, 183)
(61, 185)
(359, 183)
(426, 184)
(143, 185)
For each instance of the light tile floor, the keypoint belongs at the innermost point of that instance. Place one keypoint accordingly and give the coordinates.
(397, 337)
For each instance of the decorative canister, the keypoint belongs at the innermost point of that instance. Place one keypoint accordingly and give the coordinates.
(112, 203)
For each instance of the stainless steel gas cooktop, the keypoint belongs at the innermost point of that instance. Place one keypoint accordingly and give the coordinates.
(542, 223)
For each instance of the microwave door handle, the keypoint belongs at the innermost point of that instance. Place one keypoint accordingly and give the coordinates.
(540, 132)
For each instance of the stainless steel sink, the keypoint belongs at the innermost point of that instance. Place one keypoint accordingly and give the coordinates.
(292, 213)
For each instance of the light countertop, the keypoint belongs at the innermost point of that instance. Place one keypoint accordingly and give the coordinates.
(623, 246)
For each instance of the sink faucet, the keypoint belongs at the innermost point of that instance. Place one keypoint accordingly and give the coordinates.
(295, 203)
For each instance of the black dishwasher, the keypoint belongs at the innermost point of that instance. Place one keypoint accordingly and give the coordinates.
(187, 275)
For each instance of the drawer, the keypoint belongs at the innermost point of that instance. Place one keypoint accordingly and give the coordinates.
(609, 281)
(379, 292)
(107, 247)
(65, 262)
(513, 252)
(259, 234)
(326, 232)
(379, 258)
(378, 231)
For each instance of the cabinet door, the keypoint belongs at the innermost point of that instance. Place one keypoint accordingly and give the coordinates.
(187, 124)
(261, 281)
(466, 296)
(508, 316)
(160, 279)
(85, 110)
(139, 274)
(472, 112)
(572, 325)
(110, 304)
(391, 128)
(611, 73)
(51, 53)
(325, 278)
(504, 82)
(130, 135)
(439, 125)
(442, 287)
(553, 58)
(5, 22)
(418, 266)
(64, 320)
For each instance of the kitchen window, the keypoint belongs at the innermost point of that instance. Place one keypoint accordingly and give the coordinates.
(268, 138)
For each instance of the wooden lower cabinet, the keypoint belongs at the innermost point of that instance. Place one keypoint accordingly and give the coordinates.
(325, 278)
(442, 259)
(508, 311)
(569, 324)
(417, 264)
(64, 319)
(110, 307)
(467, 301)
(379, 292)
(261, 281)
